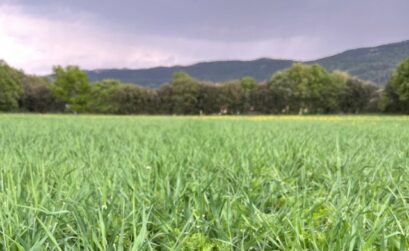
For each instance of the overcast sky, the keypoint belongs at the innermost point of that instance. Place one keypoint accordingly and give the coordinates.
(95, 34)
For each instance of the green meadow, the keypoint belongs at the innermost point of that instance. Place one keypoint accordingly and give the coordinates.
(204, 183)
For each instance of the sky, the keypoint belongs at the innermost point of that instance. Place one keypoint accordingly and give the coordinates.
(35, 35)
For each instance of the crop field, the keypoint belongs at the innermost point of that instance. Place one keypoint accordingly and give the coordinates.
(204, 183)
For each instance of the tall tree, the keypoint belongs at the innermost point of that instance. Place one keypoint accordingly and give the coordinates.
(332, 93)
(38, 96)
(71, 86)
(11, 87)
(309, 88)
(181, 95)
(397, 89)
(134, 99)
(102, 96)
(248, 84)
(286, 100)
(358, 96)
(210, 98)
(265, 99)
(233, 96)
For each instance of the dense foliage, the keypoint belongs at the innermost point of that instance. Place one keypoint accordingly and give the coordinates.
(396, 97)
(71, 86)
(10, 87)
(204, 183)
(300, 89)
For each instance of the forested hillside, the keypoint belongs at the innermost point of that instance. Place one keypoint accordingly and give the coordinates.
(210, 71)
(372, 64)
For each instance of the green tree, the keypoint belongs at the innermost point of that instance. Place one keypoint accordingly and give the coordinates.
(38, 96)
(309, 89)
(11, 87)
(248, 84)
(102, 96)
(261, 99)
(358, 96)
(71, 86)
(181, 95)
(284, 90)
(134, 99)
(210, 98)
(397, 90)
(333, 92)
(266, 99)
(233, 96)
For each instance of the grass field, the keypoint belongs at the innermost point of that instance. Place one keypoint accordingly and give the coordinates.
(204, 183)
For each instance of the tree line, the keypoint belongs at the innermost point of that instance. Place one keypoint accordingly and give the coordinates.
(301, 89)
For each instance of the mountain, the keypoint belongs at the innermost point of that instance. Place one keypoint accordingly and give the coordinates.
(374, 64)
(217, 71)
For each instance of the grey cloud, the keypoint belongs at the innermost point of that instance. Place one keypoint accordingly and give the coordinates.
(195, 30)
(231, 20)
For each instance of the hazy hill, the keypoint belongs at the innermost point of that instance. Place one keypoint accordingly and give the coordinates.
(374, 64)
(212, 71)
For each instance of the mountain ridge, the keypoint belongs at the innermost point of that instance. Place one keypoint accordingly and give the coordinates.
(369, 63)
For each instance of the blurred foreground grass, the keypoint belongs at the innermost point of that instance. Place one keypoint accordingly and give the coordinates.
(204, 183)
